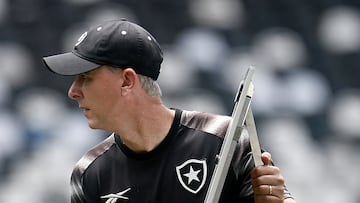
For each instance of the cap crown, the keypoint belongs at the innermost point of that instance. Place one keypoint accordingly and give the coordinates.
(121, 44)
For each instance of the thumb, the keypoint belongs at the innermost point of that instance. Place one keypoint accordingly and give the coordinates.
(266, 158)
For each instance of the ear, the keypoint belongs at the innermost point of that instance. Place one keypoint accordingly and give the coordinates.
(129, 76)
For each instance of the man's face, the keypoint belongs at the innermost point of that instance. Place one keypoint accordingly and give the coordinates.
(98, 93)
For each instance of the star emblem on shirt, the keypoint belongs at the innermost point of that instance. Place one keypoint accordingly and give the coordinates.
(192, 175)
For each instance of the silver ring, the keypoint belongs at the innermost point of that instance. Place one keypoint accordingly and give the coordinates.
(270, 190)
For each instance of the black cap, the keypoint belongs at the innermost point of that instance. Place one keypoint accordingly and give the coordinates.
(117, 43)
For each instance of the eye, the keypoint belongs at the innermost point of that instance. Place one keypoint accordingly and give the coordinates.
(83, 76)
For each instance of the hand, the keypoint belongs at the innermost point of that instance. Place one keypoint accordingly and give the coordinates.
(267, 182)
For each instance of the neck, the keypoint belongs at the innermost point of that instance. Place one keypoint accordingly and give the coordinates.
(147, 128)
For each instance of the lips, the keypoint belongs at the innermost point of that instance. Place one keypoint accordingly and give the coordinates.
(84, 109)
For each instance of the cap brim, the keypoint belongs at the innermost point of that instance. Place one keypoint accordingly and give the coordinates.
(68, 64)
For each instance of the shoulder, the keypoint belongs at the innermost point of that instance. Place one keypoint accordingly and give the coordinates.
(94, 153)
(206, 122)
(213, 124)
(78, 192)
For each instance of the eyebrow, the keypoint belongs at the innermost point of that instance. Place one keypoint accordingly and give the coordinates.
(88, 72)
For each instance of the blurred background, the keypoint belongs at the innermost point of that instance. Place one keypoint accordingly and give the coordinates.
(306, 103)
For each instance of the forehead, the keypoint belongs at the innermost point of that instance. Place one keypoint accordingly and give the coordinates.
(98, 70)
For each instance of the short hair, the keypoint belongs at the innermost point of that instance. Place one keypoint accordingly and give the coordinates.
(150, 86)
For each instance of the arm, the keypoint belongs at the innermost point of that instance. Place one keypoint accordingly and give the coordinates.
(268, 183)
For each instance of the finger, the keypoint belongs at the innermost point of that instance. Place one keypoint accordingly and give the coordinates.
(269, 194)
(266, 158)
(275, 180)
(274, 190)
(264, 170)
(266, 175)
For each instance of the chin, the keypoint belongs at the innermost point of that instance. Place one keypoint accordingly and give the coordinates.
(93, 125)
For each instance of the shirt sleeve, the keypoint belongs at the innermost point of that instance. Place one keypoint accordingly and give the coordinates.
(83, 187)
(77, 193)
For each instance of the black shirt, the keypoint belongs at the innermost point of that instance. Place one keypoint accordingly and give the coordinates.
(178, 170)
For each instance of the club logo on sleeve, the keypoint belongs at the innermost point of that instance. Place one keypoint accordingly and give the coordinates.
(192, 174)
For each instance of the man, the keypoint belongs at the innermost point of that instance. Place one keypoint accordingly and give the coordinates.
(155, 154)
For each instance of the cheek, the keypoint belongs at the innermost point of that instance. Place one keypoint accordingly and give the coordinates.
(111, 90)
(106, 89)
(103, 94)
(108, 95)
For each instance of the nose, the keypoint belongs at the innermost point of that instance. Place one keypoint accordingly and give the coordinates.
(75, 90)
